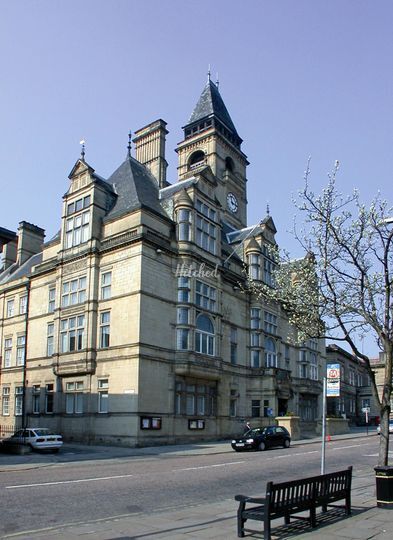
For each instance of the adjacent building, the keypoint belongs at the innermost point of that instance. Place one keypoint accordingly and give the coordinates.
(355, 387)
(133, 324)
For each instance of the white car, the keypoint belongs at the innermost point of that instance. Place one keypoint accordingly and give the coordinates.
(37, 438)
(390, 427)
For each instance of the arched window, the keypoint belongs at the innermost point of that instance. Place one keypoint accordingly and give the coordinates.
(204, 335)
(229, 165)
(270, 353)
(196, 159)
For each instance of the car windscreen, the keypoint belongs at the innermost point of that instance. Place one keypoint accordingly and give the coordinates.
(256, 432)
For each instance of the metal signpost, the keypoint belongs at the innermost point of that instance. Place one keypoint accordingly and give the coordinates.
(366, 410)
(323, 427)
(331, 388)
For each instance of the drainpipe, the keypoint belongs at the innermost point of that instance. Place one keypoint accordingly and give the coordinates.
(24, 415)
(1, 343)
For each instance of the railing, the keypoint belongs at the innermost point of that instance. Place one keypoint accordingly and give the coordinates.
(7, 431)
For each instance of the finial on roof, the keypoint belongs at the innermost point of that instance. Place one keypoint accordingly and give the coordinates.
(217, 81)
(129, 144)
(208, 74)
(268, 209)
(82, 143)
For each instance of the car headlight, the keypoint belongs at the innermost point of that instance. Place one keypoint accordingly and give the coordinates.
(249, 440)
(233, 442)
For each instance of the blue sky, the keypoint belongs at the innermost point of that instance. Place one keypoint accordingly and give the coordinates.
(300, 78)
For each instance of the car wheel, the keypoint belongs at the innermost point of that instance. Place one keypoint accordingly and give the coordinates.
(55, 450)
(287, 443)
(262, 446)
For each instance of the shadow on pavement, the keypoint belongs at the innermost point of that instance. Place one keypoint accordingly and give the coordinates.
(297, 527)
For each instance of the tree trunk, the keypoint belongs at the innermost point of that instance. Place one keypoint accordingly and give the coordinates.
(383, 458)
(384, 438)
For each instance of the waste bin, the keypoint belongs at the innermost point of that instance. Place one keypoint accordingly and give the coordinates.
(384, 481)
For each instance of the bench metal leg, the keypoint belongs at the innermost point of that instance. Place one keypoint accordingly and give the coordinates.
(324, 508)
(240, 520)
(266, 527)
(313, 517)
(287, 519)
(348, 504)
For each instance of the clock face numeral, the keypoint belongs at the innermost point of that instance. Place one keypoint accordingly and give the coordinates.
(232, 203)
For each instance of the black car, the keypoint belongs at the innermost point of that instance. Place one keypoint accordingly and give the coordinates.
(262, 438)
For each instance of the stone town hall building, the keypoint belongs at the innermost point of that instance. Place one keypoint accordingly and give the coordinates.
(130, 326)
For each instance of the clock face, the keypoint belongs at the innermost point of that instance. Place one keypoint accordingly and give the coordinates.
(232, 203)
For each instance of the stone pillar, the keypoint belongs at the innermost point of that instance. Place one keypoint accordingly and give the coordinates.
(291, 423)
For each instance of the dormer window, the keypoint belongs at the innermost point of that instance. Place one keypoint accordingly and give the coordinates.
(77, 229)
(196, 160)
(78, 205)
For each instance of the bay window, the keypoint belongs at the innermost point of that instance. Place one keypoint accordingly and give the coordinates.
(204, 335)
(72, 334)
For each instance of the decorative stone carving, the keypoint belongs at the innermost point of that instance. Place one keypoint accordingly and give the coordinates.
(74, 267)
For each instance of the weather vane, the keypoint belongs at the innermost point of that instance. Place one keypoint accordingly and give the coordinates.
(82, 143)
(129, 144)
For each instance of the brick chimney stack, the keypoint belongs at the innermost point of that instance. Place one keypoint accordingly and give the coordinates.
(150, 149)
(30, 240)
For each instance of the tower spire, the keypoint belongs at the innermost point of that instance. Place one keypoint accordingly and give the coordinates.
(208, 74)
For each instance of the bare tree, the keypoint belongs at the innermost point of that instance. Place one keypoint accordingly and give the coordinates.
(343, 288)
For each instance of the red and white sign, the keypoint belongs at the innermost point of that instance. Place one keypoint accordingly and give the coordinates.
(333, 380)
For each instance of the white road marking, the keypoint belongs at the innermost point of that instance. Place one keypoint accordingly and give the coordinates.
(209, 466)
(70, 481)
(345, 447)
(375, 455)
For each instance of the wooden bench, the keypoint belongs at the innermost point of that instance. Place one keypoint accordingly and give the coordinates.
(288, 498)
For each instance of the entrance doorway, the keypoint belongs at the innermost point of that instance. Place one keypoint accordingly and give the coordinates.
(282, 407)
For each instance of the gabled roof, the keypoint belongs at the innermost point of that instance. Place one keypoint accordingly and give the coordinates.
(80, 166)
(211, 104)
(268, 222)
(135, 187)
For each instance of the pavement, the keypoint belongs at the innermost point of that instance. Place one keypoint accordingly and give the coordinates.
(215, 521)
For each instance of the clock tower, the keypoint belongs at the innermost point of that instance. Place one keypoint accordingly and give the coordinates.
(210, 138)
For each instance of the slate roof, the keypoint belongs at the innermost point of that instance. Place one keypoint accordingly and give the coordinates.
(135, 187)
(16, 272)
(211, 104)
(169, 191)
(241, 234)
(55, 238)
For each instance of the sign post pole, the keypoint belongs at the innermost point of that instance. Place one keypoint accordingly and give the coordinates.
(323, 427)
(367, 422)
(331, 388)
